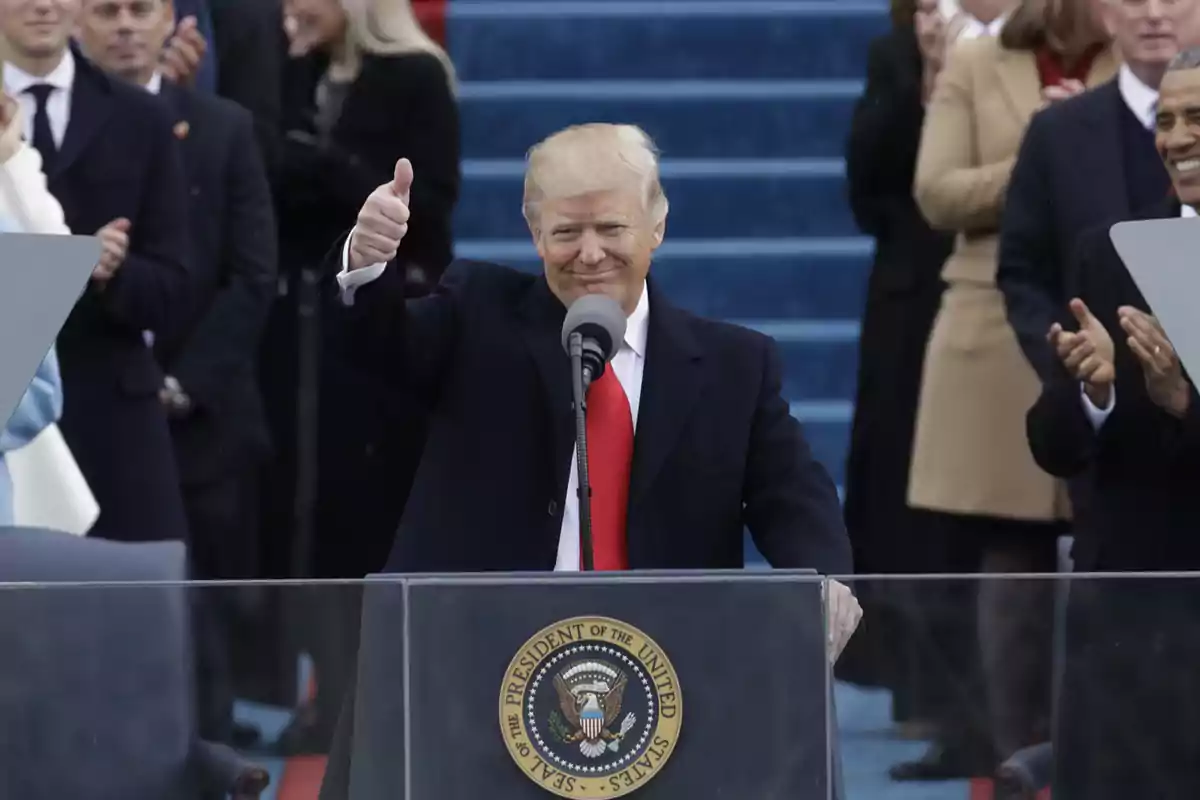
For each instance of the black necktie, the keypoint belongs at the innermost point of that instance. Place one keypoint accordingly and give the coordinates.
(43, 137)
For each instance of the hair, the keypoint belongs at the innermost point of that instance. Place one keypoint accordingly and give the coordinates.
(389, 28)
(1185, 60)
(592, 157)
(902, 12)
(1056, 24)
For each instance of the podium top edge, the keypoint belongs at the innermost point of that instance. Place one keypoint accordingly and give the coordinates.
(634, 577)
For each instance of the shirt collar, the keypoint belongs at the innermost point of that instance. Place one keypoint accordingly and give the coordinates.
(17, 80)
(1140, 98)
(154, 85)
(637, 325)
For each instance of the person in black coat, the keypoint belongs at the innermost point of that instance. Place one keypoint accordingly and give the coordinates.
(1084, 162)
(364, 86)
(217, 420)
(1120, 413)
(218, 423)
(902, 300)
(113, 163)
(249, 47)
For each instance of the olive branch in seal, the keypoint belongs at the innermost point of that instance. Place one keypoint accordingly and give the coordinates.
(559, 727)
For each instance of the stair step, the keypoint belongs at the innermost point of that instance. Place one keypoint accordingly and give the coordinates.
(687, 119)
(737, 198)
(754, 278)
(673, 39)
(820, 357)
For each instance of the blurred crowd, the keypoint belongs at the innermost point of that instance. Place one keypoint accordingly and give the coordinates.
(217, 148)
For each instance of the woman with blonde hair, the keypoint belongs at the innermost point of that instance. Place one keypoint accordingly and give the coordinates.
(972, 473)
(364, 87)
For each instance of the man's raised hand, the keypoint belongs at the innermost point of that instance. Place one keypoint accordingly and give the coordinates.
(1087, 355)
(383, 220)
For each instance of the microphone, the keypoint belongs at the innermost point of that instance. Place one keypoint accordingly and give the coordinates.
(591, 334)
(599, 322)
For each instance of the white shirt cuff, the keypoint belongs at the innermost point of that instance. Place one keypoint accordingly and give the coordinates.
(349, 280)
(1097, 416)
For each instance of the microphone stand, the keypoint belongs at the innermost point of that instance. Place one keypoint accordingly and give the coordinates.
(581, 378)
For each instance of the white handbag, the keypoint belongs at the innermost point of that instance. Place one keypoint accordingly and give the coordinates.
(49, 490)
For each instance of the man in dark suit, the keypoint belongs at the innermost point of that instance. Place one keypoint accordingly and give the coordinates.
(237, 48)
(1120, 413)
(114, 166)
(217, 419)
(1086, 161)
(716, 448)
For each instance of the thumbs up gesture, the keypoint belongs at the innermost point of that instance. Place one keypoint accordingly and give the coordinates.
(1088, 354)
(382, 221)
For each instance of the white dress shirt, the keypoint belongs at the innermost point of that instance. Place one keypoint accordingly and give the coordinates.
(58, 105)
(974, 29)
(627, 365)
(1141, 99)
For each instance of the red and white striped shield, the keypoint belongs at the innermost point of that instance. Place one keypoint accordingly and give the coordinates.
(591, 719)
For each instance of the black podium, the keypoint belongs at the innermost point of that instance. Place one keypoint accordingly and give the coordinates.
(518, 687)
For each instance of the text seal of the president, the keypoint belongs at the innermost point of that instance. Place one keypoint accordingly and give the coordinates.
(590, 707)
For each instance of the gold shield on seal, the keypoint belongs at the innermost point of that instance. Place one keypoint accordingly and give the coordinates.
(590, 707)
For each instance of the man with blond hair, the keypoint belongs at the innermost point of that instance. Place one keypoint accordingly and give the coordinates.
(716, 446)
(716, 449)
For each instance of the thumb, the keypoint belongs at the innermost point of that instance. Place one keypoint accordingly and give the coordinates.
(1083, 314)
(403, 179)
(121, 224)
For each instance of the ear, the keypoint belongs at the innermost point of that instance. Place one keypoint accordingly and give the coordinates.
(660, 231)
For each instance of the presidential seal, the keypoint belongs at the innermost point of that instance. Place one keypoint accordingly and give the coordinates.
(590, 707)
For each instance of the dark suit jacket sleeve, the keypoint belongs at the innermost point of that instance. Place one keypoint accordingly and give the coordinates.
(226, 338)
(1028, 272)
(791, 505)
(408, 342)
(153, 285)
(885, 133)
(251, 48)
(1061, 437)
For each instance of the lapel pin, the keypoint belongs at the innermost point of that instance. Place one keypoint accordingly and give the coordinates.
(182, 129)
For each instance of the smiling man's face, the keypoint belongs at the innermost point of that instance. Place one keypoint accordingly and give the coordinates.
(1177, 132)
(600, 242)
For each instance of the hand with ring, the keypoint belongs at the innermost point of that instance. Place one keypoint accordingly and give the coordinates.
(1161, 368)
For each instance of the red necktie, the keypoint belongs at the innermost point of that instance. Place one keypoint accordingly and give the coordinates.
(610, 454)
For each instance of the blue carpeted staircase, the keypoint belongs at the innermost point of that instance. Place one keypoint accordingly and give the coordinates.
(749, 101)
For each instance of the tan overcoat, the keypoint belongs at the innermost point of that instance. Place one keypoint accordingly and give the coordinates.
(970, 454)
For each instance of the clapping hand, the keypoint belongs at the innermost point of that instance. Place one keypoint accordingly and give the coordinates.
(1062, 91)
(185, 50)
(114, 239)
(383, 220)
(1165, 383)
(1088, 355)
(10, 127)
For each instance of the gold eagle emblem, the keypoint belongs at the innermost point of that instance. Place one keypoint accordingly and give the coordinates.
(590, 694)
